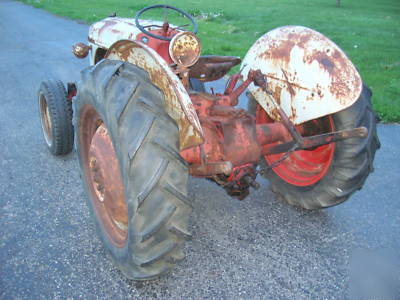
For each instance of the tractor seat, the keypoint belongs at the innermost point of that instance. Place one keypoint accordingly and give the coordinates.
(213, 67)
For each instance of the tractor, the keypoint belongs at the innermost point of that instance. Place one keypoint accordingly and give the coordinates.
(142, 122)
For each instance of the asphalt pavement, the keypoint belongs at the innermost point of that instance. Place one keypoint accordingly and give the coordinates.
(256, 248)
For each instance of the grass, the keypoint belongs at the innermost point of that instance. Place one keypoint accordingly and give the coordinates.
(368, 31)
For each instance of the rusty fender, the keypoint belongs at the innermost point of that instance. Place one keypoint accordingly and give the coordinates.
(177, 101)
(307, 74)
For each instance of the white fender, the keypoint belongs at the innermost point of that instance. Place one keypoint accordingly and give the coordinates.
(308, 74)
(177, 101)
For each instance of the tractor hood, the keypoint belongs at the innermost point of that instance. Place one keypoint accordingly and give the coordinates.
(110, 30)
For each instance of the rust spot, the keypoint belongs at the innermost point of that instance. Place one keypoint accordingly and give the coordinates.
(336, 54)
(293, 84)
(183, 112)
(337, 67)
(304, 39)
(275, 114)
(279, 51)
(289, 85)
(294, 113)
(327, 64)
(277, 94)
(340, 89)
(324, 60)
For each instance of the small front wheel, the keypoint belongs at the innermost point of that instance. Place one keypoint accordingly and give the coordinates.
(55, 112)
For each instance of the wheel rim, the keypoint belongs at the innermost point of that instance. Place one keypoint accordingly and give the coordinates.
(303, 167)
(45, 119)
(103, 176)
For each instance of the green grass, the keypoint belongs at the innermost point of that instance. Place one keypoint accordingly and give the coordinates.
(368, 31)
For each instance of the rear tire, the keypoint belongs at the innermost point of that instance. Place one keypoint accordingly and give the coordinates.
(352, 161)
(154, 175)
(55, 112)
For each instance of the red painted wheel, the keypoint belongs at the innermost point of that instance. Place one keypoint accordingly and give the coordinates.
(103, 175)
(303, 167)
(329, 174)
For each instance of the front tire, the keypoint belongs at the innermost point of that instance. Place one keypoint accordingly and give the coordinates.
(141, 219)
(55, 112)
(349, 166)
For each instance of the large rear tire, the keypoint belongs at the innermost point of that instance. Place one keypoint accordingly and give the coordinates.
(142, 226)
(348, 167)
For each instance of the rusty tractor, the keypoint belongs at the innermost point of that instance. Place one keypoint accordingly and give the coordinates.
(143, 121)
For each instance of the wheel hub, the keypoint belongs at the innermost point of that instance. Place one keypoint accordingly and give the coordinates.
(107, 187)
(306, 167)
(303, 167)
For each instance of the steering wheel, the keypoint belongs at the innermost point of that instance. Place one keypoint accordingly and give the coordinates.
(160, 37)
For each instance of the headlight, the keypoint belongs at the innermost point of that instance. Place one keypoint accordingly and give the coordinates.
(185, 48)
